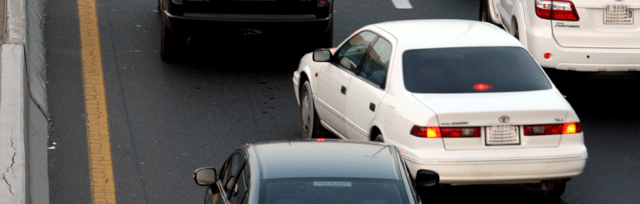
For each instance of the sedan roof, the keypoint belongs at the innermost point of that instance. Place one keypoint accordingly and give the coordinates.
(418, 34)
(329, 159)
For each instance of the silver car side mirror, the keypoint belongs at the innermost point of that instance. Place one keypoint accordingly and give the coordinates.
(205, 176)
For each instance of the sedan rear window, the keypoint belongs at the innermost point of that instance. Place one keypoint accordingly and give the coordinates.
(336, 190)
(471, 70)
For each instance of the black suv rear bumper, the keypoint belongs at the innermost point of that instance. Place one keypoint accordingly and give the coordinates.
(247, 24)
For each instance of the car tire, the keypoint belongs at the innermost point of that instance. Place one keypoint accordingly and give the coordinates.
(558, 190)
(484, 11)
(515, 31)
(379, 138)
(309, 120)
(168, 45)
(550, 190)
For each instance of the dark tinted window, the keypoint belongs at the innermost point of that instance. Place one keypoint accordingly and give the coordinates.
(376, 63)
(240, 187)
(321, 191)
(350, 55)
(232, 167)
(472, 69)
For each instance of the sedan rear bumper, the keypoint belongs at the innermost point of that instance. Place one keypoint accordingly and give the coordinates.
(486, 170)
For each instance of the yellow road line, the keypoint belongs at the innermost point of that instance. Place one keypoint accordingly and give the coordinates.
(102, 186)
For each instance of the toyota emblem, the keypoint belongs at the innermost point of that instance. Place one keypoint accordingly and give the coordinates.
(503, 119)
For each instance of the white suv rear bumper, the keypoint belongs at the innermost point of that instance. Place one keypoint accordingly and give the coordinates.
(541, 41)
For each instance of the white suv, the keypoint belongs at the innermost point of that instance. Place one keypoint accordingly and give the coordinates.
(578, 35)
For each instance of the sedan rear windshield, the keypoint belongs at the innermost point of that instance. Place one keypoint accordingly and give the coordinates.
(471, 70)
(332, 190)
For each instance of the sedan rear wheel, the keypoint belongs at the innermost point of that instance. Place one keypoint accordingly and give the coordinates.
(379, 138)
(514, 30)
(309, 121)
(550, 190)
(484, 11)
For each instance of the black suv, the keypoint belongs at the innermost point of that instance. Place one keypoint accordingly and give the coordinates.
(185, 22)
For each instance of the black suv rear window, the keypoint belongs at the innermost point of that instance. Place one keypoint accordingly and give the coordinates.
(471, 70)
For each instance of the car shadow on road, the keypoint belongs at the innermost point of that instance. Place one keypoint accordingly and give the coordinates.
(599, 93)
(238, 55)
(485, 193)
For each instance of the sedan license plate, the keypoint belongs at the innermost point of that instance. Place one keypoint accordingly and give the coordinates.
(618, 15)
(502, 135)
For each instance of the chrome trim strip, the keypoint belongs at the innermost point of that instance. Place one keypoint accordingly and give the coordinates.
(552, 159)
(356, 127)
(325, 125)
(328, 107)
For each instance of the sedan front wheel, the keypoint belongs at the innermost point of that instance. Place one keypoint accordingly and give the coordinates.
(309, 121)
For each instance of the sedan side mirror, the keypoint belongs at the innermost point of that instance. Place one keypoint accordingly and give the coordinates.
(427, 178)
(205, 176)
(321, 55)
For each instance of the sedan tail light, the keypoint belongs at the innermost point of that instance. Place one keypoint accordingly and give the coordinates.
(552, 129)
(556, 10)
(438, 132)
(429, 132)
(570, 128)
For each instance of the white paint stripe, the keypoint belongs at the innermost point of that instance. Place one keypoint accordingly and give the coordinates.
(402, 4)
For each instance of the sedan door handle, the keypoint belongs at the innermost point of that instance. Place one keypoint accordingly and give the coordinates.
(372, 107)
(343, 90)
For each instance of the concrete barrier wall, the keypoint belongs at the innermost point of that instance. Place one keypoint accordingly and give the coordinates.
(23, 105)
(12, 124)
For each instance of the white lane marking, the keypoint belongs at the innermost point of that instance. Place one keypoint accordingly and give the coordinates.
(402, 4)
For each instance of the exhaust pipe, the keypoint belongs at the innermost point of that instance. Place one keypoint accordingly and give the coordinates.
(191, 41)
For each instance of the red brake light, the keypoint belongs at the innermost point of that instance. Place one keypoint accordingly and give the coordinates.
(556, 10)
(460, 132)
(320, 139)
(543, 9)
(552, 129)
(482, 87)
(429, 132)
(438, 132)
(543, 129)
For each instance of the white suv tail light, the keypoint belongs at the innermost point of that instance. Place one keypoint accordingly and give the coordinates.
(556, 10)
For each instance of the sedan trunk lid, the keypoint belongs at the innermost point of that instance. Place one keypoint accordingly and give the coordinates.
(485, 110)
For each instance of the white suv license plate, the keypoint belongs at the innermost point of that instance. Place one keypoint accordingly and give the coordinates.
(618, 15)
(502, 135)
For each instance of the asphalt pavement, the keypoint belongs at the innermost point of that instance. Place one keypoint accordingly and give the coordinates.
(166, 119)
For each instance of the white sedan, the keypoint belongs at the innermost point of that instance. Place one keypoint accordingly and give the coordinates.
(462, 98)
(578, 35)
